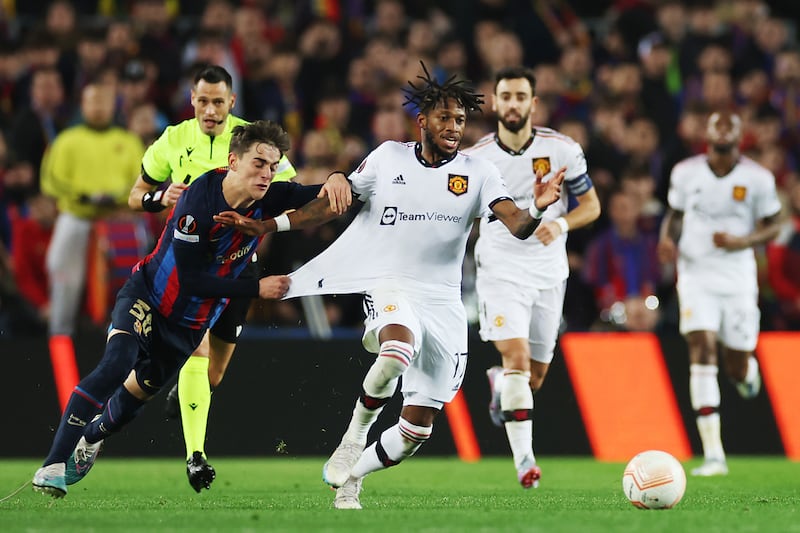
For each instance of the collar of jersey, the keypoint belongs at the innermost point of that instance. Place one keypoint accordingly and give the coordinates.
(437, 164)
(510, 150)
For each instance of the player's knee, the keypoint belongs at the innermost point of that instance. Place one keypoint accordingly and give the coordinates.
(393, 360)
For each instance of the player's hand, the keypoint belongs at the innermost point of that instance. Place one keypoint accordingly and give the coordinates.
(667, 251)
(247, 225)
(730, 242)
(173, 192)
(548, 192)
(273, 286)
(338, 191)
(547, 232)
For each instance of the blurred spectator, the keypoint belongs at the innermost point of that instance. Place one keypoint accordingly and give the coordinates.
(657, 100)
(639, 182)
(211, 47)
(689, 141)
(322, 63)
(35, 126)
(622, 266)
(31, 237)
(783, 256)
(135, 89)
(39, 51)
(121, 43)
(390, 124)
(389, 21)
(145, 120)
(92, 55)
(89, 169)
(642, 145)
(160, 43)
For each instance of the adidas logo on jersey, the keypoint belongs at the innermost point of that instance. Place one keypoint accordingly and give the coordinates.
(399, 179)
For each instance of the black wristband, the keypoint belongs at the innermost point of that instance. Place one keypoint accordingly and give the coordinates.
(342, 172)
(151, 201)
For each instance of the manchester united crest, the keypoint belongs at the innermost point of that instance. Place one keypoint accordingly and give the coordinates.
(541, 164)
(457, 184)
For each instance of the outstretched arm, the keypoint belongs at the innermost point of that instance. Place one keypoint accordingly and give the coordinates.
(315, 212)
(522, 222)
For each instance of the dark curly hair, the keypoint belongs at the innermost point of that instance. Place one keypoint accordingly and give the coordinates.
(427, 95)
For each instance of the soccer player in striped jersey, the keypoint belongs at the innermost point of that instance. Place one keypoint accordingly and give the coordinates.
(172, 163)
(419, 204)
(177, 292)
(521, 314)
(721, 205)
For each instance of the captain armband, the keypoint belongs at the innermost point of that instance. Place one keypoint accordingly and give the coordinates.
(579, 185)
(151, 201)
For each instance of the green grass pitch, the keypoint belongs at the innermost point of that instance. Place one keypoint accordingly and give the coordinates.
(423, 494)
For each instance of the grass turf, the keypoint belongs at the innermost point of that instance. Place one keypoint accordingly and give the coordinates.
(423, 494)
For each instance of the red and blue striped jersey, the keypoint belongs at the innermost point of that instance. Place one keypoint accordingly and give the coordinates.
(195, 266)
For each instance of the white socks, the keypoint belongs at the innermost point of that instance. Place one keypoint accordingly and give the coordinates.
(395, 444)
(516, 395)
(379, 383)
(705, 398)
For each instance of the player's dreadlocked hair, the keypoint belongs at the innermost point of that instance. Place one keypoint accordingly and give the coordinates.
(427, 95)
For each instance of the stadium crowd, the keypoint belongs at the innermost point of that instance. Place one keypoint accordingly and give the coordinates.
(631, 81)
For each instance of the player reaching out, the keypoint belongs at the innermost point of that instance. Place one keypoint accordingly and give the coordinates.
(419, 203)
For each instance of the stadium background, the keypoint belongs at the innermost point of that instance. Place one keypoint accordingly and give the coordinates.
(303, 387)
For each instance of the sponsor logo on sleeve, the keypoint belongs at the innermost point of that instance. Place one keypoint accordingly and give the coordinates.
(457, 184)
(186, 229)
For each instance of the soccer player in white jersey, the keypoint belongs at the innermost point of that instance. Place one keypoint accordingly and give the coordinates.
(721, 205)
(521, 314)
(404, 250)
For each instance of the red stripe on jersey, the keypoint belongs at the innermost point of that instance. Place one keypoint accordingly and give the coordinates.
(171, 292)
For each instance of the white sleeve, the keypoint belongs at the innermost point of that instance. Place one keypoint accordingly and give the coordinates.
(493, 189)
(575, 161)
(363, 178)
(767, 202)
(677, 194)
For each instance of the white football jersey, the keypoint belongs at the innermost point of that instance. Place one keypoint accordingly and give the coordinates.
(733, 204)
(497, 252)
(412, 229)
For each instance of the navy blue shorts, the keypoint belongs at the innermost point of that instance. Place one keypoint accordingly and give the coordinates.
(163, 345)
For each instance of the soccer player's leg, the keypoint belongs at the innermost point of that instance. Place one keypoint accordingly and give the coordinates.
(704, 394)
(391, 330)
(516, 404)
(86, 401)
(739, 336)
(202, 372)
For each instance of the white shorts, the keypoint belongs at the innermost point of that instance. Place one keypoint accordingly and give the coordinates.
(508, 311)
(734, 317)
(440, 342)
